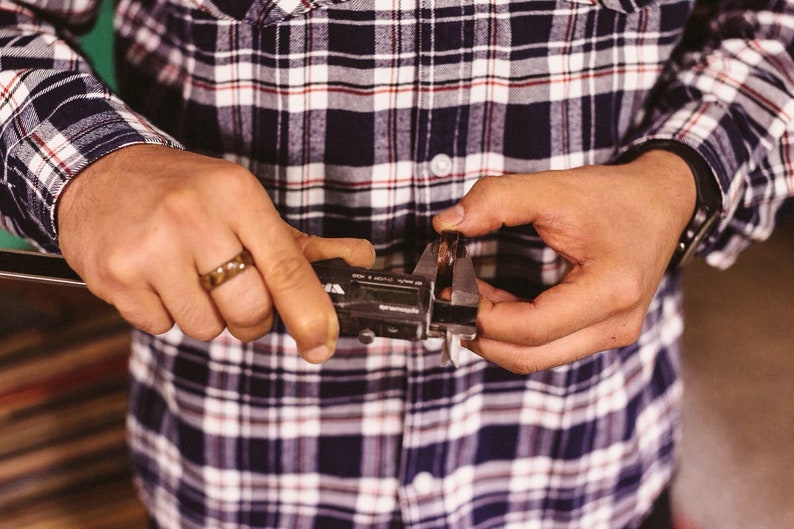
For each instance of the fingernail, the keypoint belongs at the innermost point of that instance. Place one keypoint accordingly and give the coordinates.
(317, 355)
(452, 216)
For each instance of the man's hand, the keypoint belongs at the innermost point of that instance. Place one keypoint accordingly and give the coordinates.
(140, 225)
(616, 225)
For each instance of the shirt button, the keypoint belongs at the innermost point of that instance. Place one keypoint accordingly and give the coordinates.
(424, 483)
(441, 165)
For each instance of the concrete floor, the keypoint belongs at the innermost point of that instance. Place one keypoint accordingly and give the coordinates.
(737, 454)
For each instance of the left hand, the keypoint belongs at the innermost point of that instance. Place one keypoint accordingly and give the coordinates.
(617, 226)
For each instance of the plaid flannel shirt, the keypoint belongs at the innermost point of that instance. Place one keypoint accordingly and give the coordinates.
(364, 118)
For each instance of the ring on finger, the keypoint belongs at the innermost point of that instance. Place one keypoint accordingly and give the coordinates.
(226, 271)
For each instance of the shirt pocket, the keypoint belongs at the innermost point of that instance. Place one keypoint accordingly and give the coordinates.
(621, 6)
(261, 13)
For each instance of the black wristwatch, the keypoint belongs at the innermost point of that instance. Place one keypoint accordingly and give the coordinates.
(708, 205)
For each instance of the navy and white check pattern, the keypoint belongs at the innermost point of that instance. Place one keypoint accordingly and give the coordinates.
(365, 118)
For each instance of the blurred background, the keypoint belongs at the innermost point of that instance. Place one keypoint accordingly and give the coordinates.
(737, 455)
(63, 458)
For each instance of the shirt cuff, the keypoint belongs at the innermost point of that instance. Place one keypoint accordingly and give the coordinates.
(82, 131)
(710, 143)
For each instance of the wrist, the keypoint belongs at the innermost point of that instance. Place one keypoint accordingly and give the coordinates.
(701, 202)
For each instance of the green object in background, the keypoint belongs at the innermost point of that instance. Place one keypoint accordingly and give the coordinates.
(9, 241)
(98, 46)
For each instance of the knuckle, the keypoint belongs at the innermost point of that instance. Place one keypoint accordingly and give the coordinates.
(308, 324)
(183, 204)
(237, 175)
(200, 329)
(484, 187)
(157, 328)
(205, 332)
(249, 314)
(249, 334)
(196, 319)
(119, 270)
(238, 181)
(286, 273)
(146, 320)
(199, 326)
(485, 202)
(486, 182)
(625, 293)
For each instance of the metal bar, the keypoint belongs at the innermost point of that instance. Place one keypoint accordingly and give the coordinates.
(38, 267)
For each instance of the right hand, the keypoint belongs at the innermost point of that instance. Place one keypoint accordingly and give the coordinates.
(142, 223)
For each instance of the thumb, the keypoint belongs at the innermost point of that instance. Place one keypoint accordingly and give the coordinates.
(493, 202)
(355, 252)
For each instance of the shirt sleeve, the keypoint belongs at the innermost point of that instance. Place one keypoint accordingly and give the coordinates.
(729, 94)
(56, 115)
